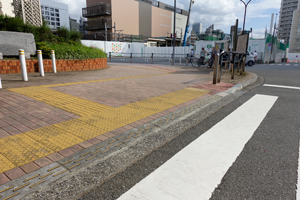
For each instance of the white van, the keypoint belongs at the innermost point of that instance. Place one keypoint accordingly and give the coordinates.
(250, 59)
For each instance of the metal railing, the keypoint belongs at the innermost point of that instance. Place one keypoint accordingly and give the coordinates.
(149, 58)
(96, 10)
(97, 24)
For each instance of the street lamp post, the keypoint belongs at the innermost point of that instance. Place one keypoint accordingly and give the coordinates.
(174, 29)
(246, 4)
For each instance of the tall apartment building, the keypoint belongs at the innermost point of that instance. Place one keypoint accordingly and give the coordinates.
(149, 18)
(7, 8)
(295, 32)
(55, 14)
(29, 11)
(285, 19)
(197, 28)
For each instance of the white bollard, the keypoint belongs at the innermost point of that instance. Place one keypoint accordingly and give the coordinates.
(40, 59)
(0, 83)
(23, 64)
(53, 61)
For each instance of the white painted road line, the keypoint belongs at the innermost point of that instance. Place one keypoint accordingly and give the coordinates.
(195, 172)
(282, 86)
(298, 183)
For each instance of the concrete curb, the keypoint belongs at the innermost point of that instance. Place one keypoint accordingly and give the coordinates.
(242, 85)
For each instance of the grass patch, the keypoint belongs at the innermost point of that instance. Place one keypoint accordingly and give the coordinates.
(70, 51)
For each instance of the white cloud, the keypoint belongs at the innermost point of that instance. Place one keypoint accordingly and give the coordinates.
(258, 33)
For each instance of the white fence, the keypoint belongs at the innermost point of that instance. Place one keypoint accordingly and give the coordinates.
(137, 49)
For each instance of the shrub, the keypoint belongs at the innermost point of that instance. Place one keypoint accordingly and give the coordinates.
(66, 44)
(71, 51)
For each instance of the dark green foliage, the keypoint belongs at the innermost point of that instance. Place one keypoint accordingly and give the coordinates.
(65, 43)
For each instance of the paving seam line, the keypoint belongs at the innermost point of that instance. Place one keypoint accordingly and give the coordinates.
(101, 150)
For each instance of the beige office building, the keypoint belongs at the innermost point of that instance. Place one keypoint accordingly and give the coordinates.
(7, 8)
(134, 17)
(295, 32)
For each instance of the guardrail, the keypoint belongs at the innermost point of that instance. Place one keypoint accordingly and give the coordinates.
(148, 57)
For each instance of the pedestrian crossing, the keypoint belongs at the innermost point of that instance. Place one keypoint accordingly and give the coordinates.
(195, 171)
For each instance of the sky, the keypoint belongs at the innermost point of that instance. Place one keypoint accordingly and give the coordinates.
(221, 13)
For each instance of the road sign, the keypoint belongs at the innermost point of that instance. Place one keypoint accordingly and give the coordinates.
(209, 46)
(269, 48)
(270, 44)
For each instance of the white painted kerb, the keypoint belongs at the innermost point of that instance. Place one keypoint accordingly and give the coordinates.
(196, 171)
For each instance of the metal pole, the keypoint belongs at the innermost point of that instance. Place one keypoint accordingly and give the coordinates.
(109, 56)
(40, 60)
(219, 69)
(246, 4)
(115, 32)
(244, 19)
(0, 83)
(152, 58)
(187, 60)
(53, 61)
(216, 68)
(23, 65)
(174, 29)
(130, 57)
(105, 32)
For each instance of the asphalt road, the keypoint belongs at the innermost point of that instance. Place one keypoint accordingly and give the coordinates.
(267, 166)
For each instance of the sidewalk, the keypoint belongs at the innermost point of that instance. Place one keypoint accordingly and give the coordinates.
(48, 119)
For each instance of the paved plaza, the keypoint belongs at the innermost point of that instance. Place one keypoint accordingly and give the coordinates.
(49, 118)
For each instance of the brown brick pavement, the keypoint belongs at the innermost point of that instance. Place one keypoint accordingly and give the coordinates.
(19, 113)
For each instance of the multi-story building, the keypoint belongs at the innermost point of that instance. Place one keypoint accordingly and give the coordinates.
(7, 8)
(29, 11)
(285, 19)
(74, 25)
(148, 18)
(81, 29)
(197, 28)
(295, 32)
(55, 14)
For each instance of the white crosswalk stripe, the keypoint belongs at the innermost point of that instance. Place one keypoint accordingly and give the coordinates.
(196, 171)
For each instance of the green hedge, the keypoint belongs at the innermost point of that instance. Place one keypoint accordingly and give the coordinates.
(70, 51)
(66, 43)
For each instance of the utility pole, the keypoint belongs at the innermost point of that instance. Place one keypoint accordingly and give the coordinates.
(273, 37)
(115, 31)
(174, 29)
(246, 4)
(105, 32)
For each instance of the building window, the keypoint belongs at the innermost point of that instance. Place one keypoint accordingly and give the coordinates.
(57, 15)
(46, 8)
(53, 23)
(47, 18)
(57, 24)
(52, 9)
(52, 19)
(47, 13)
(56, 10)
(42, 7)
(43, 12)
(52, 14)
(48, 23)
(57, 19)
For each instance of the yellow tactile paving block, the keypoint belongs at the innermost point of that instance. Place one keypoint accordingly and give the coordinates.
(80, 129)
(5, 164)
(95, 81)
(54, 138)
(69, 103)
(95, 120)
(21, 149)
